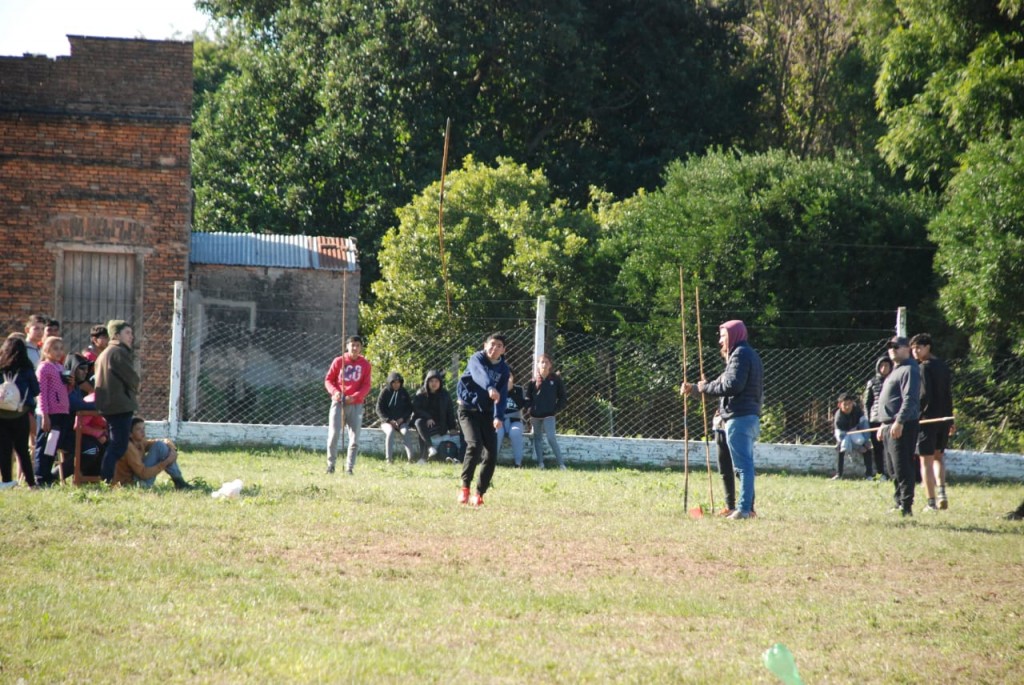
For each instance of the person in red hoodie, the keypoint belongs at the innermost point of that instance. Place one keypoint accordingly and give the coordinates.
(347, 382)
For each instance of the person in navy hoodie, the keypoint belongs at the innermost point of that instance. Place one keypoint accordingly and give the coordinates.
(482, 393)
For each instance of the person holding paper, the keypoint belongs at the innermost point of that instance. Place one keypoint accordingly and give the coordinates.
(53, 408)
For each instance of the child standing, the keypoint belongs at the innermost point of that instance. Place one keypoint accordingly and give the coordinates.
(348, 383)
(849, 417)
(54, 408)
(546, 397)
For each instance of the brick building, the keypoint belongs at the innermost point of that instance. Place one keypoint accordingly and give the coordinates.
(95, 192)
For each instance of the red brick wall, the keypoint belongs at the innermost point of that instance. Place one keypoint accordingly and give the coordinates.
(94, 150)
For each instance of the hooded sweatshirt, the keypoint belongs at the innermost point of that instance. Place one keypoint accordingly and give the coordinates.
(434, 405)
(741, 385)
(394, 405)
(480, 376)
(874, 390)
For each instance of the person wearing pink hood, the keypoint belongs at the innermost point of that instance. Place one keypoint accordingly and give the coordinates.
(741, 389)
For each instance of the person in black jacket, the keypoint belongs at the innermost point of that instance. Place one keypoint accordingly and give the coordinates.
(849, 417)
(432, 413)
(936, 403)
(883, 367)
(14, 422)
(545, 395)
(394, 407)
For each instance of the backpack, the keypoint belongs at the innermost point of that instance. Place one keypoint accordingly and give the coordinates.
(10, 394)
(449, 451)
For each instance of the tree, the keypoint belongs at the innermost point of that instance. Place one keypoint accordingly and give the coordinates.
(953, 74)
(336, 113)
(980, 234)
(804, 251)
(506, 239)
(813, 61)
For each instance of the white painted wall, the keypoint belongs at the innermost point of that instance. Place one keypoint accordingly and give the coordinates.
(597, 451)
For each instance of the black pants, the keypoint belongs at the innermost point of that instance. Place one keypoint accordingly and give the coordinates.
(120, 429)
(878, 450)
(901, 463)
(424, 431)
(481, 440)
(14, 437)
(63, 424)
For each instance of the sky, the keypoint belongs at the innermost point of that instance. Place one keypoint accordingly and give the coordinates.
(41, 27)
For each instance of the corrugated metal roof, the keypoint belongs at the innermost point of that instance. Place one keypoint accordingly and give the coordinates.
(336, 254)
(282, 251)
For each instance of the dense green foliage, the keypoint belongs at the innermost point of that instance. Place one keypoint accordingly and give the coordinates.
(953, 74)
(335, 116)
(980, 233)
(766, 235)
(327, 116)
(506, 239)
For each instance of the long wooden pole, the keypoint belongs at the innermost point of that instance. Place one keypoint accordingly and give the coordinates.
(922, 421)
(440, 218)
(703, 400)
(686, 415)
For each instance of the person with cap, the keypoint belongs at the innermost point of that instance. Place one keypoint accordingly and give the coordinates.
(741, 392)
(117, 389)
(348, 383)
(900, 412)
(98, 340)
(394, 407)
(937, 403)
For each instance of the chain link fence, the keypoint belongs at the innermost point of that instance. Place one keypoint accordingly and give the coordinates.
(616, 386)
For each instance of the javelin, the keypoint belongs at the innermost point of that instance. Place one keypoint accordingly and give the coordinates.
(703, 401)
(686, 424)
(440, 218)
(871, 430)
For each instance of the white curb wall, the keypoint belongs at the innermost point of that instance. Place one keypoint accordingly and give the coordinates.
(627, 452)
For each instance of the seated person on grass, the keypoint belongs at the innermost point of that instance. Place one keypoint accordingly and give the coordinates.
(145, 459)
(849, 417)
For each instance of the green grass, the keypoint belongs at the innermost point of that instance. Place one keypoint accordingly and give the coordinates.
(577, 576)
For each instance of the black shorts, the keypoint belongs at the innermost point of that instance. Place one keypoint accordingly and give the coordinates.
(933, 438)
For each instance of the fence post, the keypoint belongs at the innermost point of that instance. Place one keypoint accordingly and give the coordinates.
(177, 336)
(901, 321)
(538, 331)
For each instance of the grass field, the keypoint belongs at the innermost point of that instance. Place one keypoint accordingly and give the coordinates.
(575, 576)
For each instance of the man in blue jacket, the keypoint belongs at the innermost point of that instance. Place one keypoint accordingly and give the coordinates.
(741, 389)
(482, 393)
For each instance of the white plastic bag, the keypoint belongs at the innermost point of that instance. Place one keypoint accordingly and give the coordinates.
(228, 490)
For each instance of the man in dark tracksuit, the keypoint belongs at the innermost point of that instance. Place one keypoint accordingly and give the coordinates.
(482, 393)
(900, 412)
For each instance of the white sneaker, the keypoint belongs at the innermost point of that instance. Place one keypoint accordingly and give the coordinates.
(422, 461)
(8, 484)
(432, 452)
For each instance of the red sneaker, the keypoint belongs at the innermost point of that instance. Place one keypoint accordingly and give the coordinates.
(463, 495)
(476, 500)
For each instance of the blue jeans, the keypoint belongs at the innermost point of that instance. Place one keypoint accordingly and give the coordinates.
(546, 427)
(513, 428)
(352, 424)
(158, 451)
(740, 434)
